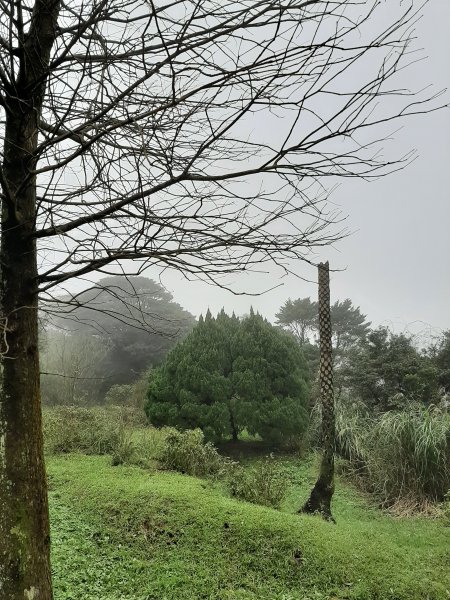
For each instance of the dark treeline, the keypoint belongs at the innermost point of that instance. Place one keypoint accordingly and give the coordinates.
(107, 336)
(119, 330)
(384, 370)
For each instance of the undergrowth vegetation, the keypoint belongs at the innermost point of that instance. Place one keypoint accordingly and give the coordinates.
(408, 455)
(87, 430)
(159, 516)
(264, 482)
(119, 434)
(122, 533)
(187, 452)
(399, 456)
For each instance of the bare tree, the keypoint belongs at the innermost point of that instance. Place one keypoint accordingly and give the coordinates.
(184, 134)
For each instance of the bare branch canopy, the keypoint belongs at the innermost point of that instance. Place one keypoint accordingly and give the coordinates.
(196, 135)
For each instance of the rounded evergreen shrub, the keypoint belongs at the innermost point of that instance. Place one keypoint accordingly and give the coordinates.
(229, 375)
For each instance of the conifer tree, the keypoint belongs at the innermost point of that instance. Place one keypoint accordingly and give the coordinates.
(229, 375)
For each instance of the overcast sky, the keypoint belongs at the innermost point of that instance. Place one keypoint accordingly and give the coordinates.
(396, 262)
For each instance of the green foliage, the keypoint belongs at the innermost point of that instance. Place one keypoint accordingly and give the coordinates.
(386, 371)
(352, 422)
(349, 329)
(119, 395)
(88, 430)
(75, 429)
(400, 456)
(408, 455)
(229, 375)
(115, 430)
(118, 534)
(439, 355)
(446, 509)
(349, 325)
(263, 483)
(187, 452)
(147, 447)
(133, 319)
(130, 395)
(300, 317)
(352, 425)
(124, 451)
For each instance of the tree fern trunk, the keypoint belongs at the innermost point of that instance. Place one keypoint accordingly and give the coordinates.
(320, 498)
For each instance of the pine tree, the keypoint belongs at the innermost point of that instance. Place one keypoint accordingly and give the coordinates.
(229, 375)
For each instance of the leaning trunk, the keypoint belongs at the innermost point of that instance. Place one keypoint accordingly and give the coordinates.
(322, 492)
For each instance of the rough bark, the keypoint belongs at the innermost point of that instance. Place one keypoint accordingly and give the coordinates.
(319, 500)
(24, 525)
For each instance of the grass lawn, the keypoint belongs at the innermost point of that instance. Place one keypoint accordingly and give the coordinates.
(123, 533)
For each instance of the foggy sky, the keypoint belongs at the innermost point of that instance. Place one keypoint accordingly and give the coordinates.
(395, 264)
(397, 258)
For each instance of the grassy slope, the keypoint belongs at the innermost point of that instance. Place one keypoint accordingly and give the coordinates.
(122, 533)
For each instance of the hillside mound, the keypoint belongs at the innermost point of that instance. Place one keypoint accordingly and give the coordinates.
(122, 533)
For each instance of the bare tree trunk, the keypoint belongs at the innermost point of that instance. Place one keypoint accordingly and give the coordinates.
(322, 492)
(24, 526)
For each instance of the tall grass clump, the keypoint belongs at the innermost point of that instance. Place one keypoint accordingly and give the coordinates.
(352, 423)
(86, 430)
(400, 456)
(408, 455)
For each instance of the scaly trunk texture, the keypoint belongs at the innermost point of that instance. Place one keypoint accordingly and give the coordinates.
(24, 523)
(322, 492)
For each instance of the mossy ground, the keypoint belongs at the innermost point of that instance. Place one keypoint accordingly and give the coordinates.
(123, 533)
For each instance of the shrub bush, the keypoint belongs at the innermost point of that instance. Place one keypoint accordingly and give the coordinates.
(408, 455)
(130, 416)
(187, 452)
(86, 430)
(119, 395)
(229, 375)
(397, 455)
(264, 483)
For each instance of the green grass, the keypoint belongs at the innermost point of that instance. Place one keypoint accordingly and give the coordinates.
(123, 533)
